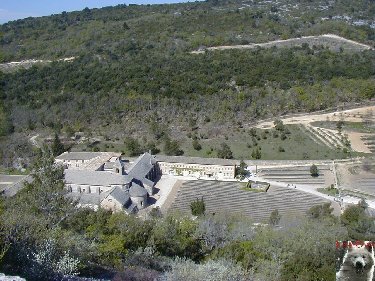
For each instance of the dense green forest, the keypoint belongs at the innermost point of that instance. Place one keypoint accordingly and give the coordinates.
(44, 237)
(133, 66)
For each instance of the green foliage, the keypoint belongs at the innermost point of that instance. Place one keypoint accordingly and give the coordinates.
(172, 147)
(279, 125)
(57, 146)
(275, 217)
(241, 252)
(241, 169)
(196, 145)
(36, 213)
(314, 171)
(133, 146)
(6, 126)
(220, 270)
(151, 146)
(256, 153)
(360, 225)
(198, 207)
(303, 256)
(175, 236)
(224, 151)
(321, 211)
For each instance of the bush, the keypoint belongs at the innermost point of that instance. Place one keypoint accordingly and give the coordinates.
(172, 147)
(196, 145)
(198, 207)
(279, 125)
(256, 154)
(218, 270)
(283, 136)
(274, 217)
(314, 171)
(224, 151)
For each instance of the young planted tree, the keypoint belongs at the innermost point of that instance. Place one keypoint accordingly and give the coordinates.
(314, 171)
(241, 170)
(256, 154)
(198, 207)
(275, 217)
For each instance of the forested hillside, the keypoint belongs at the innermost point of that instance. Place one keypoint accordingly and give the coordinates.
(133, 65)
(132, 81)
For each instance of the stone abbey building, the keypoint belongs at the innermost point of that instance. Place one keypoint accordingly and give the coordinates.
(105, 179)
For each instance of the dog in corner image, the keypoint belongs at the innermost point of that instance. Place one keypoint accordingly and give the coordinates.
(358, 262)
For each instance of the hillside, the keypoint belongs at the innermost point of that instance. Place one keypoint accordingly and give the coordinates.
(134, 74)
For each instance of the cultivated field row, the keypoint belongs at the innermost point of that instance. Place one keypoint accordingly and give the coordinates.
(229, 196)
(296, 175)
(370, 142)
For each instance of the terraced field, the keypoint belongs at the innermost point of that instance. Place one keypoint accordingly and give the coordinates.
(228, 196)
(367, 184)
(370, 142)
(329, 137)
(298, 175)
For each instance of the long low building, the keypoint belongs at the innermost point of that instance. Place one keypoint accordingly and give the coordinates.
(104, 179)
(198, 167)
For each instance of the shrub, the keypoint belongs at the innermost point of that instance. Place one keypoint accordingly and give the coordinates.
(196, 145)
(274, 217)
(198, 207)
(314, 171)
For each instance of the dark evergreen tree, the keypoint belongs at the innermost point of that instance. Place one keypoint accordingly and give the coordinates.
(224, 151)
(57, 146)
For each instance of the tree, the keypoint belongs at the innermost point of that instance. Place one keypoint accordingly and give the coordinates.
(320, 211)
(279, 125)
(6, 126)
(241, 170)
(196, 145)
(339, 125)
(45, 194)
(274, 217)
(37, 211)
(57, 146)
(359, 224)
(198, 207)
(151, 146)
(314, 171)
(133, 146)
(224, 151)
(172, 147)
(256, 154)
